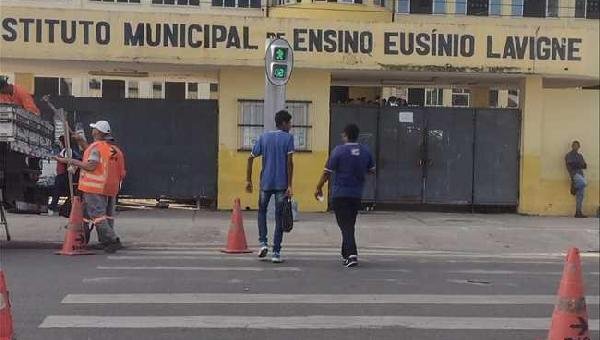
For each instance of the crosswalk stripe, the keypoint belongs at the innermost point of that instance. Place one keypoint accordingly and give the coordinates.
(508, 272)
(313, 299)
(189, 268)
(299, 322)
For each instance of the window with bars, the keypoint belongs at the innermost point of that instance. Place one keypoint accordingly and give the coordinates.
(461, 97)
(177, 2)
(251, 120)
(513, 98)
(237, 3)
(434, 97)
(421, 6)
(133, 89)
(587, 9)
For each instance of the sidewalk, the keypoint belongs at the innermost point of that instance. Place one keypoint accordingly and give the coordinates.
(423, 231)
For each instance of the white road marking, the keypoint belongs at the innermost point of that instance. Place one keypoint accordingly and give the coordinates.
(508, 272)
(193, 298)
(299, 322)
(224, 269)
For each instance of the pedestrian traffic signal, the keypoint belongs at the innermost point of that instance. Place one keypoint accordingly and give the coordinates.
(279, 61)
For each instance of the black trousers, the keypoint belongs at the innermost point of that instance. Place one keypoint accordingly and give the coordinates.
(346, 209)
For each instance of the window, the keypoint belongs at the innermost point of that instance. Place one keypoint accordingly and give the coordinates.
(192, 91)
(53, 86)
(133, 89)
(513, 98)
(478, 7)
(421, 6)
(301, 124)
(461, 97)
(113, 89)
(460, 6)
(434, 97)
(517, 8)
(175, 90)
(552, 8)
(119, 1)
(95, 87)
(495, 7)
(237, 3)
(177, 2)
(251, 123)
(587, 9)
(157, 90)
(534, 8)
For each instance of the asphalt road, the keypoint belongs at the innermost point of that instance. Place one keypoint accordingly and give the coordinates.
(177, 293)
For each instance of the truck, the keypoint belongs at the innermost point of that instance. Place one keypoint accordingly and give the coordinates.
(26, 141)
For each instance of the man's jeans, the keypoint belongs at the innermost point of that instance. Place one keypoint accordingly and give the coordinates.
(263, 203)
(101, 210)
(580, 183)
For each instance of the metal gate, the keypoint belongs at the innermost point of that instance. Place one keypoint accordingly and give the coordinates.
(440, 156)
(170, 146)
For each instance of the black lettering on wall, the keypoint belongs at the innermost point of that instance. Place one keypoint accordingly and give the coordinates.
(171, 35)
(521, 46)
(219, 34)
(445, 44)
(38, 30)
(206, 36)
(573, 49)
(351, 42)
(233, 38)
(26, 22)
(490, 48)
(467, 46)
(407, 43)
(315, 40)
(153, 37)
(64, 31)
(389, 46)
(246, 35)
(543, 48)
(132, 38)
(366, 42)
(9, 27)
(86, 30)
(423, 44)
(559, 48)
(192, 30)
(51, 32)
(103, 33)
(330, 44)
(299, 39)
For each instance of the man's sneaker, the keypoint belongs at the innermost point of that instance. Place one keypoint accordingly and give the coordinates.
(264, 250)
(276, 258)
(351, 261)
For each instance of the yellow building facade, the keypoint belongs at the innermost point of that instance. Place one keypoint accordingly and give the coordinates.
(373, 48)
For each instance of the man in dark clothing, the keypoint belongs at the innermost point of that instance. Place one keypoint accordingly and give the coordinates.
(575, 165)
(350, 163)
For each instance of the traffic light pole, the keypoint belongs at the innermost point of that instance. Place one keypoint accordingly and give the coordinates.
(274, 101)
(278, 68)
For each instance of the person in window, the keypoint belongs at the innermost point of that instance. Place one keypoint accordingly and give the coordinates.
(392, 101)
(349, 163)
(277, 150)
(16, 95)
(575, 166)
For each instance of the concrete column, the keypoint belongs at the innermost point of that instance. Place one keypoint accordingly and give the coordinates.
(78, 85)
(532, 106)
(566, 8)
(480, 97)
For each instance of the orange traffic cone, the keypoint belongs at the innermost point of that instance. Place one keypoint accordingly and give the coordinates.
(74, 243)
(6, 323)
(570, 318)
(236, 239)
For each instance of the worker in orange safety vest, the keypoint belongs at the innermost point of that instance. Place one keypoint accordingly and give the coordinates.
(15, 94)
(102, 171)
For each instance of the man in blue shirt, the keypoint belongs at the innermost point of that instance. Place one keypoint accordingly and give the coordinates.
(349, 163)
(277, 150)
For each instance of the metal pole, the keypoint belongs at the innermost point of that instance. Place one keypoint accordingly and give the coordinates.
(274, 100)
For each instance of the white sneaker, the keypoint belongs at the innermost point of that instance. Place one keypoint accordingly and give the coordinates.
(264, 250)
(276, 258)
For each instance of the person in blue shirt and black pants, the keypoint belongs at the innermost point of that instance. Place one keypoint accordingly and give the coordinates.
(349, 163)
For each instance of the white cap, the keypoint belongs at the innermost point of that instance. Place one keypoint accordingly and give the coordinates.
(101, 126)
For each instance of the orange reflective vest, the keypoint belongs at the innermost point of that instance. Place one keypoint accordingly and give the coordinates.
(106, 178)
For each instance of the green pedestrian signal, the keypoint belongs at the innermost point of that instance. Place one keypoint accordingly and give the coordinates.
(280, 53)
(279, 71)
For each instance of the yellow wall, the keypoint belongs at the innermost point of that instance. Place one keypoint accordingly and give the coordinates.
(343, 12)
(248, 83)
(500, 30)
(553, 118)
